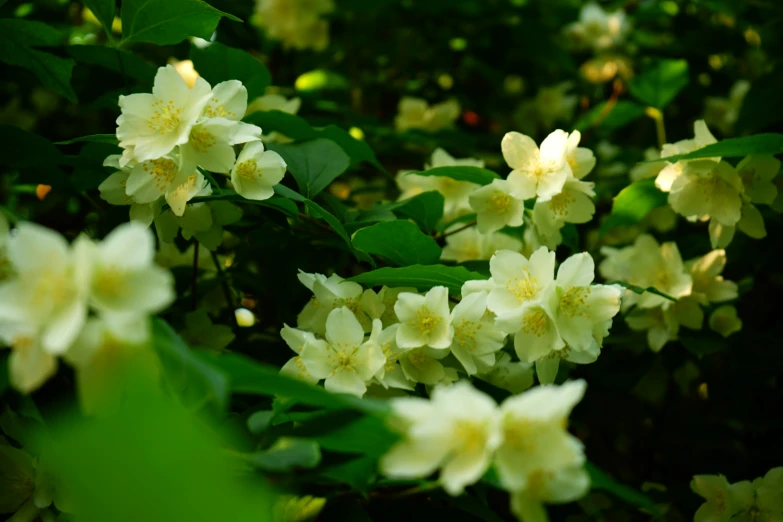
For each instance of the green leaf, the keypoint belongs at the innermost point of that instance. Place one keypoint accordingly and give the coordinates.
(103, 11)
(419, 276)
(600, 480)
(260, 421)
(608, 118)
(425, 209)
(770, 143)
(219, 63)
(318, 211)
(401, 242)
(247, 376)
(16, 48)
(93, 138)
(24, 149)
(357, 150)
(167, 22)
(660, 83)
(633, 203)
(640, 290)
(314, 164)
(472, 174)
(287, 454)
(118, 60)
(195, 382)
(357, 472)
(348, 432)
(702, 343)
(290, 125)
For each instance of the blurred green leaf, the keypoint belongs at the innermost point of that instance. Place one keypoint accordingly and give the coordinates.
(113, 59)
(93, 138)
(103, 11)
(348, 431)
(287, 454)
(608, 117)
(24, 149)
(633, 203)
(762, 106)
(761, 144)
(166, 22)
(419, 276)
(425, 209)
(702, 343)
(600, 480)
(320, 79)
(16, 48)
(357, 150)
(400, 242)
(219, 63)
(260, 421)
(476, 175)
(290, 125)
(660, 82)
(314, 164)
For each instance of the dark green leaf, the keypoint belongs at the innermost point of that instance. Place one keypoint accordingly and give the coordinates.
(702, 343)
(260, 421)
(103, 11)
(401, 242)
(314, 164)
(601, 480)
(93, 138)
(113, 59)
(633, 203)
(89, 171)
(357, 150)
(166, 22)
(288, 193)
(219, 63)
(357, 472)
(24, 149)
(425, 209)
(348, 432)
(762, 105)
(770, 143)
(607, 117)
(195, 382)
(659, 83)
(319, 212)
(287, 454)
(16, 48)
(289, 125)
(419, 276)
(4, 375)
(472, 174)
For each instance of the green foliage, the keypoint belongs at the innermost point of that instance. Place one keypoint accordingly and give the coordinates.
(219, 63)
(114, 59)
(421, 277)
(425, 209)
(633, 203)
(660, 82)
(166, 22)
(18, 47)
(476, 175)
(314, 164)
(103, 11)
(601, 480)
(608, 117)
(400, 242)
(737, 147)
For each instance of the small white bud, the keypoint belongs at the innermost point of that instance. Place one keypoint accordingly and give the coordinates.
(244, 317)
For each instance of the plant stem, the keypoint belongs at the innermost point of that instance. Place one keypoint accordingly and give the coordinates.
(460, 229)
(660, 129)
(224, 281)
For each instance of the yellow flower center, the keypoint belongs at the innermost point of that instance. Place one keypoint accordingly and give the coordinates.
(572, 301)
(499, 203)
(201, 140)
(425, 321)
(465, 333)
(535, 323)
(524, 288)
(248, 170)
(111, 282)
(214, 109)
(165, 117)
(471, 436)
(163, 170)
(560, 204)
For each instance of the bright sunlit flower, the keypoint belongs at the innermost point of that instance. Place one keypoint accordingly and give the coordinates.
(345, 361)
(706, 189)
(671, 171)
(165, 177)
(573, 205)
(456, 431)
(537, 173)
(518, 281)
(257, 171)
(424, 319)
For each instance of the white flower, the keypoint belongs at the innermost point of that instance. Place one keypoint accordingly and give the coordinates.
(297, 340)
(670, 172)
(757, 173)
(257, 171)
(536, 172)
(517, 282)
(512, 376)
(470, 244)
(572, 205)
(153, 124)
(166, 176)
(645, 170)
(496, 207)
(124, 280)
(663, 324)
(344, 360)
(47, 295)
(455, 193)
(708, 285)
(29, 365)
(113, 191)
(329, 293)
(297, 23)
(424, 319)
(476, 338)
(538, 457)
(580, 159)
(274, 102)
(598, 29)
(707, 189)
(415, 113)
(457, 431)
(724, 320)
(391, 375)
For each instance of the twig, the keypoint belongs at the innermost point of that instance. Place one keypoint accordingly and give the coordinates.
(224, 281)
(460, 229)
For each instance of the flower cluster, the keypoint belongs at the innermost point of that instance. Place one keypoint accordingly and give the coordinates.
(83, 302)
(169, 136)
(694, 284)
(420, 338)
(743, 501)
(713, 190)
(462, 432)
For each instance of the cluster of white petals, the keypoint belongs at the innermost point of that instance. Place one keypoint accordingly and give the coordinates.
(744, 501)
(170, 136)
(694, 284)
(77, 301)
(463, 432)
